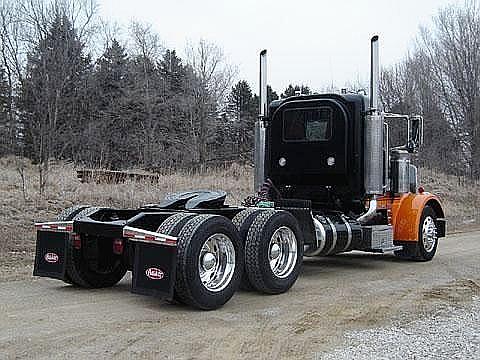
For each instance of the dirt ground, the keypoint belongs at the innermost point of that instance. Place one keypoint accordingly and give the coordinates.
(43, 318)
(21, 204)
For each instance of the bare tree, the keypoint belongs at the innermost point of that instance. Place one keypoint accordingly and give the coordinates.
(147, 52)
(452, 50)
(211, 67)
(38, 15)
(214, 77)
(108, 31)
(407, 88)
(145, 41)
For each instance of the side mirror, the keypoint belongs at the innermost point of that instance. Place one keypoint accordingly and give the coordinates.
(415, 133)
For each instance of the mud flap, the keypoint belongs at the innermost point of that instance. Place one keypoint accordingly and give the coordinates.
(50, 254)
(154, 270)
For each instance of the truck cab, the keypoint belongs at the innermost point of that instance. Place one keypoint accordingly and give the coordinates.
(314, 147)
(332, 151)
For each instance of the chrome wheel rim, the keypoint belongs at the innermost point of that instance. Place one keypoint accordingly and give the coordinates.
(216, 262)
(429, 234)
(282, 252)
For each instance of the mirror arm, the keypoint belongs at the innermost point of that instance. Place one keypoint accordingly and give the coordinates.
(414, 141)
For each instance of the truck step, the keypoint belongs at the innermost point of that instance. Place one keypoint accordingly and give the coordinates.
(391, 249)
(379, 238)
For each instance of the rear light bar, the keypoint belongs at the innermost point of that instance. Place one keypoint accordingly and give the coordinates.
(56, 226)
(136, 234)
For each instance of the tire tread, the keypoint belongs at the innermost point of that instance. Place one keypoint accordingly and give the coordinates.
(243, 221)
(184, 238)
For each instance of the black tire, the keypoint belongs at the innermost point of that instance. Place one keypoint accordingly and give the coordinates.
(242, 222)
(172, 226)
(82, 271)
(188, 285)
(257, 262)
(417, 251)
(69, 214)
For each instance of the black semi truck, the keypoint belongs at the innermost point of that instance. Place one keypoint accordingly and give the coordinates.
(327, 180)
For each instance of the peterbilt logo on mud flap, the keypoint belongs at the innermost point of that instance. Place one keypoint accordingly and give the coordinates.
(51, 257)
(154, 273)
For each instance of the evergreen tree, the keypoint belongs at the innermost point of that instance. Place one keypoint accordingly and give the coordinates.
(271, 94)
(110, 81)
(54, 95)
(292, 90)
(242, 101)
(179, 85)
(111, 74)
(243, 108)
(173, 72)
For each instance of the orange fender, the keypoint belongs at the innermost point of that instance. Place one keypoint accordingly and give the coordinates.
(406, 212)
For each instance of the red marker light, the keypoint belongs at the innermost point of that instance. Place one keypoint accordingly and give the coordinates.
(117, 246)
(77, 241)
(421, 190)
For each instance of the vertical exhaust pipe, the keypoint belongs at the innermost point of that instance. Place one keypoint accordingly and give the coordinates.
(263, 84)
(373, 138)
(260, 125)
(374, 73)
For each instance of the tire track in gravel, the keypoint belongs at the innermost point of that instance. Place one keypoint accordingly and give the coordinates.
(43, 318)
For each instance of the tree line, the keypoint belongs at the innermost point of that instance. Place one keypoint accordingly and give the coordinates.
(440, 79)
(138, 107)
(70, 89)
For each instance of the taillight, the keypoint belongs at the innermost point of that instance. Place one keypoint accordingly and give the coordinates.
(77, 241)
(117, 246)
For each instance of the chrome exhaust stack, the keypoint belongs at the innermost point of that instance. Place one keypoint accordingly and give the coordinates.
(259, 157)
(374, 139)
(374, 73)
(374, 130)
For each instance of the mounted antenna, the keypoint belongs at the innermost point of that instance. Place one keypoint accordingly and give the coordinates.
(374, 74)
(260, 124)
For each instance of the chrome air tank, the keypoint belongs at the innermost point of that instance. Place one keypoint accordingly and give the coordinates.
(400, 171)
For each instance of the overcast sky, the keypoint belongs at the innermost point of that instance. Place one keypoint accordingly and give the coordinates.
(317, 43)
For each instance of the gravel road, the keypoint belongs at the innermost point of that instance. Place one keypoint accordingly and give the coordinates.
(451, 333)
(354, 305)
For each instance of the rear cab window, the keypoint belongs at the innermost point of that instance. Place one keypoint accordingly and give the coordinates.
(307, 124)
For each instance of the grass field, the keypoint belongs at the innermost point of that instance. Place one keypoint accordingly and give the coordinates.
(20, 209)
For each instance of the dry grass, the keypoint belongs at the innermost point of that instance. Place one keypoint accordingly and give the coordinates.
(17, 215)
(460, 198)
(64, 189)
